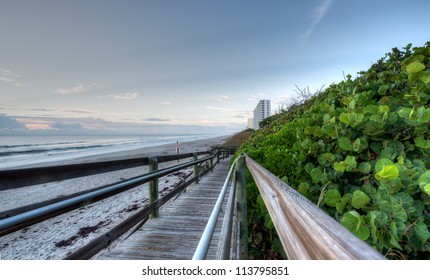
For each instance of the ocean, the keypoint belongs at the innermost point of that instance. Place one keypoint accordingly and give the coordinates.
(16, 151)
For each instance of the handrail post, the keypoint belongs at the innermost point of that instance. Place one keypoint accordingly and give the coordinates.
(211, 162)
(202, 248)
(225, 240)
(153, 185)
(242, 208)
(195, 169)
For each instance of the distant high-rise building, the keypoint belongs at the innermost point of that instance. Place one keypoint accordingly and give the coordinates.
(261, 112)
(250, 123)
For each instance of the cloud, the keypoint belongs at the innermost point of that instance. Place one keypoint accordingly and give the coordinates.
(124, 96)
(156, 120)
(79, 88)
(67, 126)
(35, 123)
(242, 115)
(219, 109)
(10, 123)
(9, 77)
(96, 126)
(257, 97)
(41, 110)
(222, 98)
(317, 15)
(167, 103)
(80, 111)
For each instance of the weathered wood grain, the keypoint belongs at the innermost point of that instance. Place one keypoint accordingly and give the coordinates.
(306, 232)
(176, 232)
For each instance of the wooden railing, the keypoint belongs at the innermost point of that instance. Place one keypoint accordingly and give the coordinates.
(306, 232)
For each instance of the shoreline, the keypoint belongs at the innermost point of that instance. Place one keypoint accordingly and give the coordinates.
(159, 150)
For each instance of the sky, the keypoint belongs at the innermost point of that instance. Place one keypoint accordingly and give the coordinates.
(188, 65)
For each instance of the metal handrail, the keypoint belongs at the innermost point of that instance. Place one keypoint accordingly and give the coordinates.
(224, 245)
(8, 224)
(205, 240)
(21, 177)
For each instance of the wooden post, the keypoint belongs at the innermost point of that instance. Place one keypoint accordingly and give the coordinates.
(195, 169)
(242, 208)
(177, 149)
(211, 162)
(153, 185)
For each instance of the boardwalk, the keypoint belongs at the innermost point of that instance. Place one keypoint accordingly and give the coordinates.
(176, 232)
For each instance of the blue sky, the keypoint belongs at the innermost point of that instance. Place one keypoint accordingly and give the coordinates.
(130, 64)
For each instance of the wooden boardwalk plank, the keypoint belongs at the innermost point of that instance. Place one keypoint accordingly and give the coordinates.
(175, 234)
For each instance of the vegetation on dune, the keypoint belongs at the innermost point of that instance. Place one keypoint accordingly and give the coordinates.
(238, 139)
(360, 151)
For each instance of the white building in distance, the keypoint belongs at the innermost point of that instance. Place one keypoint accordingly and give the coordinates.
(262, 111)
(250, 123)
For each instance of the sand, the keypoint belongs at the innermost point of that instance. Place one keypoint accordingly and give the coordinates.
(55, 238)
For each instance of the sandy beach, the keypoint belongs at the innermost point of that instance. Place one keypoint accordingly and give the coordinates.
(57, 237)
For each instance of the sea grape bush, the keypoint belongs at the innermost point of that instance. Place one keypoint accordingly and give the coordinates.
(360, 150)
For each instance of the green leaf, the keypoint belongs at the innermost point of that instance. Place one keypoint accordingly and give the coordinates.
(352, 119)
(394, 232)
(353, 222)
(424, 77)
(399, 213)
(268, 222)
(352, 104)
(373, 229)
(405, 113)
(383, 89)
(388, 172)
(344, 143)
(260, 201)
(359, 199)
(421, 231)
(381, 163)
(325, 157)
(426, 189)
(365, 167)
(308, 167)
(371, 109)
(356, 145)
(351, 162)
(306, 144)
(415, 67)
(344, 117)
(423, 115)
(422, 143)
(339, 166)
(341, 205)
(401, 160)
(394, 236)
(317, 175)
(303, 188)
(403, 199)
(329, 129)
(383, 108)
(332, 197)
(381, 219)
(424, 182)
